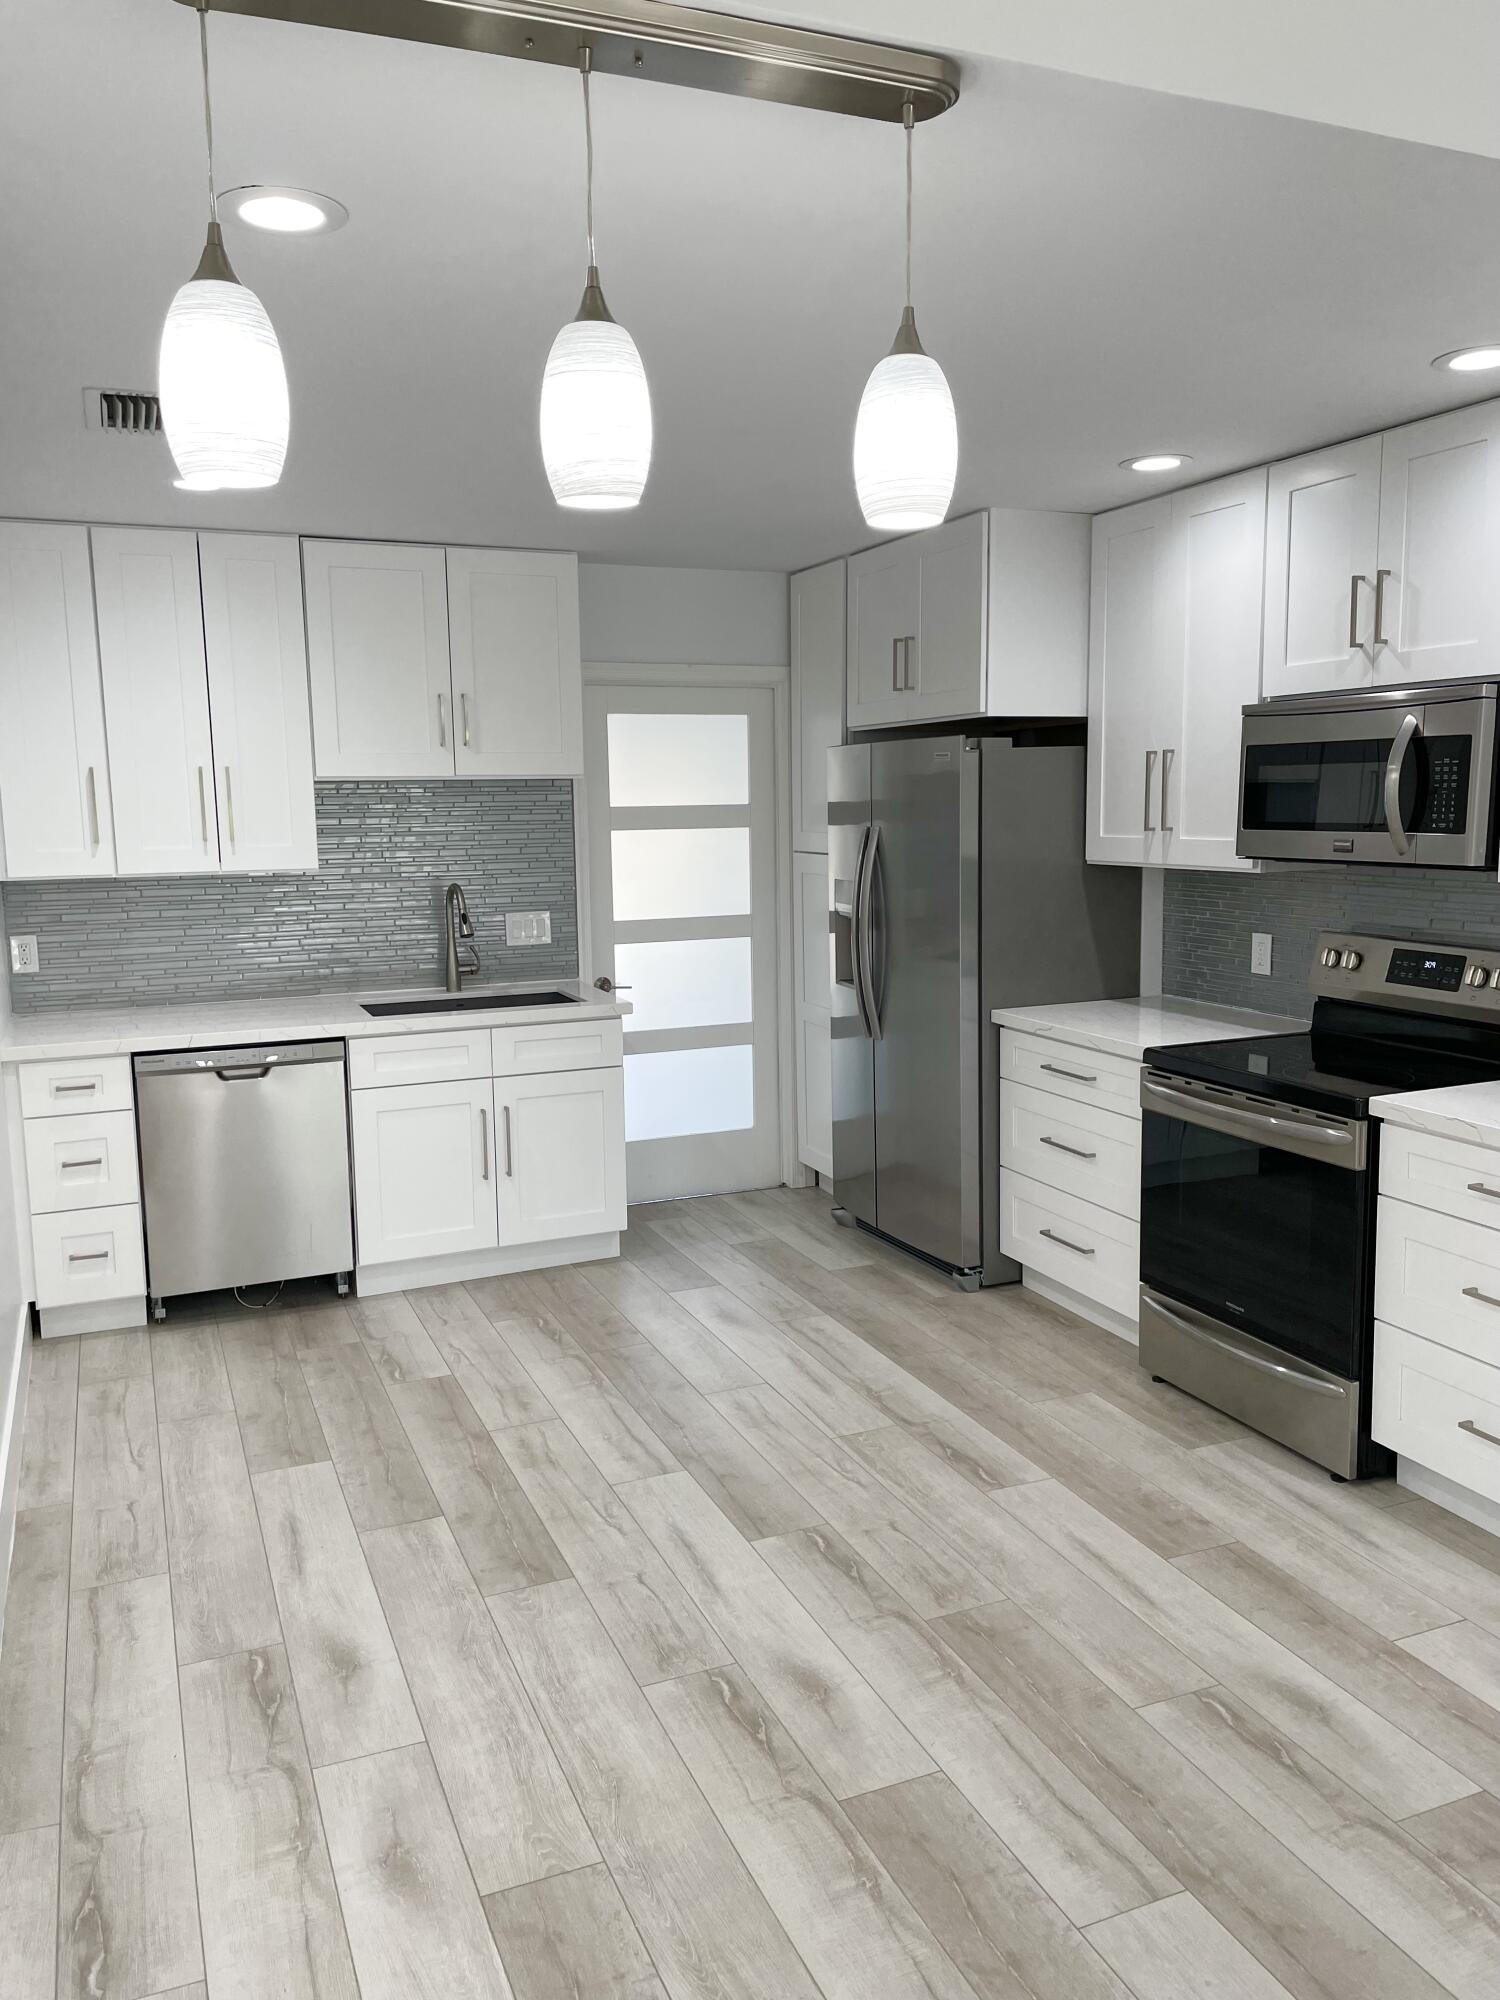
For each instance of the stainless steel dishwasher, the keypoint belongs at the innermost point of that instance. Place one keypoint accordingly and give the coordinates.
(244, 1166)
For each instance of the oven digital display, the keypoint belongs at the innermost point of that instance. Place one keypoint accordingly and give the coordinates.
(1440, 970)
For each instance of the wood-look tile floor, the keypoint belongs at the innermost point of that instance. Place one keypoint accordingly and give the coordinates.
(753, 1618)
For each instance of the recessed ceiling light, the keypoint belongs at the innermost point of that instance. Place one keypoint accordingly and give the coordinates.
(1469, 360)
(1157, 461)
(286, 211)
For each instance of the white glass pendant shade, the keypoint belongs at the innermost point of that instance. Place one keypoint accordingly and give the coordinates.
(596, 412)
(906, 439)
(221, 382)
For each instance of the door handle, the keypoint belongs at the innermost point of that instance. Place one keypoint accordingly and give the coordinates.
(1062, 1146)
(854, 938)
(93, 796)
(484, 1143)
(1479, 1187)
(1380, 577)
(1073, 1075)
(895, 666)
(1166, 775)
(245, 1073)
(865, 926)
(1052, 1236)
(229, 803)
(1146, 825)
(510, 1158)
(1399, 747)
(908, 680)
(1468, 1424)
(1484, 1298)
(203, 808)
(442, 723)
(1354, 582)
(463, 703)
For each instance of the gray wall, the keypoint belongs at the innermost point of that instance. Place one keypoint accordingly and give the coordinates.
(370, 916)
(1208, 919)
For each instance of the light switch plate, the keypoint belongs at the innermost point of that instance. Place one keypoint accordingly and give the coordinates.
(24, 956)
(1260, 951)
(528, 927)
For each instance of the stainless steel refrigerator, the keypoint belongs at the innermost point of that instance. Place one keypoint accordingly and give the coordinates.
(957, 884)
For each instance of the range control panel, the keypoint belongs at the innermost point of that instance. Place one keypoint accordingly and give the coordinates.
(1409, 973)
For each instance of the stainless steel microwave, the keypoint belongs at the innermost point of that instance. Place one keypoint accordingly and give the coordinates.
(1394, 775)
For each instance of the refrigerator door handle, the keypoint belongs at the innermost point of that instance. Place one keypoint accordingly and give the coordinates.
(856, 947)
(864, 925)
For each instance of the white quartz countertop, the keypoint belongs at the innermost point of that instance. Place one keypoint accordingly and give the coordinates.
(1463, 1111)
(1130, 1027)
(112, 1031)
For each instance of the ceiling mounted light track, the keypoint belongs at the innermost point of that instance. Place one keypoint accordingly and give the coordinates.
(666, 44)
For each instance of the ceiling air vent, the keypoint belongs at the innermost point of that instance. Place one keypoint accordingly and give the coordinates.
(134, 411)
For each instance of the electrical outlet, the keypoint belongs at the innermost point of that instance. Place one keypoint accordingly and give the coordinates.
(528, 927)
(24, 956)
(1260, 951)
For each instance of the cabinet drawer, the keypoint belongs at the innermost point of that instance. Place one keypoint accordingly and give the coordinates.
(1073, 1242)
(1080, 1148)
(1082, 1074)
(1439, 1275)
(87, 1161)
(83, 1083)
(1438, 1407)
(85, 1257)
(454, 1056)
(554, 1045)
(1448, 1175)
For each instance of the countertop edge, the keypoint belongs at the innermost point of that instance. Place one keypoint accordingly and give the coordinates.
(1216, 1023)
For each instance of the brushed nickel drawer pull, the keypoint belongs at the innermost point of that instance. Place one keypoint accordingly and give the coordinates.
(71, 1089)
(97, 1161)
(1073, 1075)
(1052, 1236)
(87, 1256)
(1478, 1187)
(1061, 1146)
(1468, 1424)
(1484, 1298)
(484, 1140)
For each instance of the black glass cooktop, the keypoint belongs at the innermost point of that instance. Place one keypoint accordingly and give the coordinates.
(1351, 1054)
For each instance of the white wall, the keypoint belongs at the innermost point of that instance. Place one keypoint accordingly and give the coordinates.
(682, 617)
(13, 1332)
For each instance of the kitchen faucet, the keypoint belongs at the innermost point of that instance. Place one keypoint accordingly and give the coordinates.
(458, 925)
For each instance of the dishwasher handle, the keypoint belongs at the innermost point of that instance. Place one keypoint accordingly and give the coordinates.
(246, 1073)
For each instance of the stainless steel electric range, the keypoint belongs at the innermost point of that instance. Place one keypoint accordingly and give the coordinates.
(1259, 1174)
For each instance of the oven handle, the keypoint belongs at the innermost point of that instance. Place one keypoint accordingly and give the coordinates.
(1340, 1146)
(1399, 747)
(1300, 1376)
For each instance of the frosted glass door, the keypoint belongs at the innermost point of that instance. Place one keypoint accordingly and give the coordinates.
(683, 853)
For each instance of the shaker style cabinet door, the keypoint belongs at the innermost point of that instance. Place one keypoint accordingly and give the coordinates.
(813, 1012)
(817, 650)
(54, 770)
(424, 1170)
(257, 688)
(944, 676)
(560, 1155)
(1322, 527)
(517, 678)
(377, 655)
(156, 700)
(1133, 680)
(885, 600)
(1439, 558)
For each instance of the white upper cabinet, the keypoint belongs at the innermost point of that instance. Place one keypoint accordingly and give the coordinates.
(257, 685)
(54, 770)
(377, 649)
(817, 655)
(1130, 681)
(1322, 531)
(986, 615)
(1439, 555)
(156, 700)
(517, 678)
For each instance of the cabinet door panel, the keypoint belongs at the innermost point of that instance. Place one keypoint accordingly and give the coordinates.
(1214, 606)
(561, 1155)
(377, 653)
(54, 769)
(1440, 543)
(947, 670)
(813, 1012)
(817, 611)
(424, 1170)
(1131, 682)
(1322, 523)
(156, 700)
(884, 610)
(257, 688)
(517, 681)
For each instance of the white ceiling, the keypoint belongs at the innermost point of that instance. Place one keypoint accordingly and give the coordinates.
(1101, 270)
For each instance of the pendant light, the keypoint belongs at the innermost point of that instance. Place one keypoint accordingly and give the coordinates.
(596, 406)
(906, 434)
(220, 378)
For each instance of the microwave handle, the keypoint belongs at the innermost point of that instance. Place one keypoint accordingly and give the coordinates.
(1403, 741)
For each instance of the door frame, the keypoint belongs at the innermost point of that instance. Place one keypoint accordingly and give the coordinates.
(721, 680)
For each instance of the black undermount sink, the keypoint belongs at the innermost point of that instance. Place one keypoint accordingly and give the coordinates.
(463, 1003)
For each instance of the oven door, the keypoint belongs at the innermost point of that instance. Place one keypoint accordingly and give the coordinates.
(1257, 1214)
(1384, 780)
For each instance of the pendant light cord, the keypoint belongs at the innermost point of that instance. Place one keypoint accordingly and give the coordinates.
(585, 64)
(908, 119)
(208, 110)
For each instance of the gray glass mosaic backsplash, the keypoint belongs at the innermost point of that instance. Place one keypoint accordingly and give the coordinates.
(370, 917)
(1207, 921)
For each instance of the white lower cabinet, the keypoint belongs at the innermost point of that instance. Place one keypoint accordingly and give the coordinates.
(812, 1012)
(1438, 1406)
(1073, 1242)
(89, 1257)
(561, 1155)
(78, 1139)
(424, 1169)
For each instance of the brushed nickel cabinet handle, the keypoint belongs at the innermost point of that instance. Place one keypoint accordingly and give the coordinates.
(97, 1161)
(484, 1142)
(463, 703)
(908, 678)
(1468, 1424)
(203, 808)
(1146, 821)
(895, 666)
(1354, 582)
(1061, 1146)
(510, 1163)
(93, 797)
(1380, 577)
(1073, 1075)
(1052, 1236)
(87, 1256)
(1166, 779)
(1478, 1187)
(1484, 1298)
(73, 1089)
(229, 802)
(442, 723)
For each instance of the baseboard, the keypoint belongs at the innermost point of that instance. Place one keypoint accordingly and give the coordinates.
(1443, 1492)
(1086, 1308)
(59, 1321)
(12, 1421)
(372, 1279)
